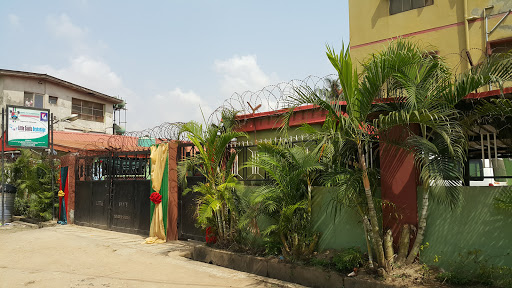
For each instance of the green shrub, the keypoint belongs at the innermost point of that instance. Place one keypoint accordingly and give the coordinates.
(348, 259)
(31, 173)
(471, 269)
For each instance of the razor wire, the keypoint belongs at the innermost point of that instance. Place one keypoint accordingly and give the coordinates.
(270, 98)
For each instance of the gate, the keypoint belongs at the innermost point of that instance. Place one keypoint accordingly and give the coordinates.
(188, 203)
(112, 191)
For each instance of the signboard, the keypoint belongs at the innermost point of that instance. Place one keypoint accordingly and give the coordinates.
(27, 127)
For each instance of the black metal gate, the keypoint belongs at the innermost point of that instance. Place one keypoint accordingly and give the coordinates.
(112, 192)
(188, 203)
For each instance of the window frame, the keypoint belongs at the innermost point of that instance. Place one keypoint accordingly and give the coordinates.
(50, 98)
(489, 45)
(88, 110)
(32, 97)
(411, 6)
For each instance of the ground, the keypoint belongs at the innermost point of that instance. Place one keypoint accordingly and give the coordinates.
(75, 256)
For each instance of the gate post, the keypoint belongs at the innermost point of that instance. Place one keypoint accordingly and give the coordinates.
(172, 210)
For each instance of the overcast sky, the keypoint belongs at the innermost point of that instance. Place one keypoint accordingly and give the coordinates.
(167, 58)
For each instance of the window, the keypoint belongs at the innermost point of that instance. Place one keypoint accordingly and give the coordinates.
(499, 46)
(33, 100)
(397, 6)
(52, 100)
(86, 110)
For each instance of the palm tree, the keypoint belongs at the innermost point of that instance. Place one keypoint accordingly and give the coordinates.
(287, 198)
(428, 98)
(217, 204)
(424, 95)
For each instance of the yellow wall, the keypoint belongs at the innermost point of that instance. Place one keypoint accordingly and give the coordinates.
(440, 26)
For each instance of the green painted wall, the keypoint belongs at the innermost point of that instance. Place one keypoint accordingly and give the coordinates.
(343, 231)
(476, 225)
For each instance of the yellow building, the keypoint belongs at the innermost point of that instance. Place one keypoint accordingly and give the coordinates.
(450, 27)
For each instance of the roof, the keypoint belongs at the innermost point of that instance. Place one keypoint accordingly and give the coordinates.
(75, 142)
(313, 114)
(56, 80)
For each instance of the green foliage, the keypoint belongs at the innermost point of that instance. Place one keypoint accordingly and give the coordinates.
(471, 269)
(504, 199)
(217, 207)
(286, 199)
(348, 259)
(32, 175)
(343, 261)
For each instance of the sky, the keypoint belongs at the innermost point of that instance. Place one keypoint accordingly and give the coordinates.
(172, 61)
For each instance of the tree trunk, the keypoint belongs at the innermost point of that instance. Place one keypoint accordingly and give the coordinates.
(403, 244)
(366, 226)
(377, 239)
(223, 218)
(310, 191)
(219, 225)
(421, 229)
(388, 245)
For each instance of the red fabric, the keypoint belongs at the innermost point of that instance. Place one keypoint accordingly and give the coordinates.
(65, 190)
(155, 197)
(210, 236)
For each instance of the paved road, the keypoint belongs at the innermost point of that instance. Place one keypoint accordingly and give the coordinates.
(75, 256)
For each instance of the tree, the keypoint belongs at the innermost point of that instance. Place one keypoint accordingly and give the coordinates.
(217, 204)
(287, 198)
(31, 174)
(422, 92)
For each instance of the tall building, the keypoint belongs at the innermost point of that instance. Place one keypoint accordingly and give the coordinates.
(463, 32)
(91, 111)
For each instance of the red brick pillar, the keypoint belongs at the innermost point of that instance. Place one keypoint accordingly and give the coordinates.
(172, 210)
(69, 160)
(398, 182)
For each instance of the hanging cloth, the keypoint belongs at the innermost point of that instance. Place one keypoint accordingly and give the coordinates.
(63, 196)
(158, 159)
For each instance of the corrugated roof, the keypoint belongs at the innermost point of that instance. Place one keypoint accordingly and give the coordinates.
(75, 142)
(56, 80)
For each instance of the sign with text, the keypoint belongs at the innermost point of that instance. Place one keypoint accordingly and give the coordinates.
(27, 127)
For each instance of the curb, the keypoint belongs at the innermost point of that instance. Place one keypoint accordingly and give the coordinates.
(273, 268)
(39, 224)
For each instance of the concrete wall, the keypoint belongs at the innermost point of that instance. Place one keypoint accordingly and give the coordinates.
(476, 225)
(440, 25)
(13, 89)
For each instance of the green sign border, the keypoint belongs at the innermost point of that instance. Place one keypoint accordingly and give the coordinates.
(21, 141)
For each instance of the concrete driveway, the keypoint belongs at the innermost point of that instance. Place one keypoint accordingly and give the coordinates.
(75, 256)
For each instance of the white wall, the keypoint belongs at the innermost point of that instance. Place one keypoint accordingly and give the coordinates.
(13, 92)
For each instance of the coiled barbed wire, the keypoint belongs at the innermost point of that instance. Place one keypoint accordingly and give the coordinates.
(270, 98)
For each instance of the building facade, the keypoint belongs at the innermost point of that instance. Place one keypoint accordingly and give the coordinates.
(89, 110)
(463, 32)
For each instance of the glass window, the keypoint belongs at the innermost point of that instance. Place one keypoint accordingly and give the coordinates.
(52, 100)
(28, 100)
(476, 169)
(39, 101)
(87, 110)
(397, 6)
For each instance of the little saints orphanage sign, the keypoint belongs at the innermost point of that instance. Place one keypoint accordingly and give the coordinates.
(27, 127)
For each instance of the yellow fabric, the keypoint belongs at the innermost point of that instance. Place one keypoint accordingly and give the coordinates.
(61, 193)
(158, 159)
(157, 226)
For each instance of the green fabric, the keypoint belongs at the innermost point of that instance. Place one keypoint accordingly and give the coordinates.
(164, 191)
